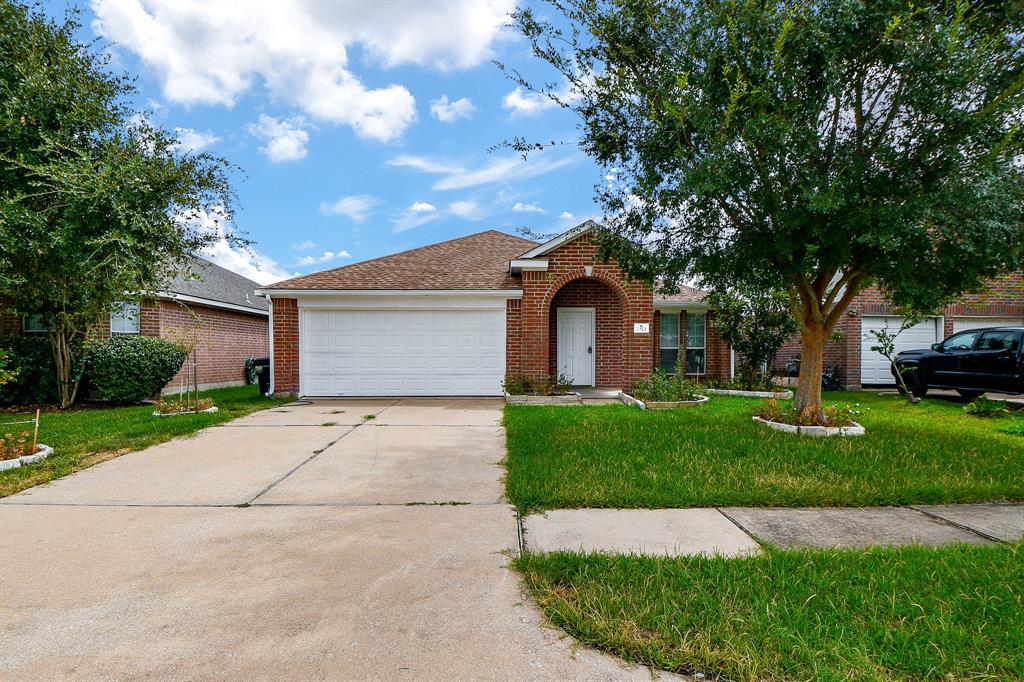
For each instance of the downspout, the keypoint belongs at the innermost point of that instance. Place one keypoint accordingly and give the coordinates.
(732, 363)
(270, 341)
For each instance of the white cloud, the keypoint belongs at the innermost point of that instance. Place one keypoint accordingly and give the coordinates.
(419, 213)
(304, 245)
(214, 52)
(525, 103)
(520, 207)
(357, 208)
(468, 210)
(450, 112)
(245, 261)
(194, 141)
(325, 257)
(565, 216)
(499, 170)
(285, 138)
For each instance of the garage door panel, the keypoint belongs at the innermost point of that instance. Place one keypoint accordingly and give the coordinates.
(874, 367)
(403, 352)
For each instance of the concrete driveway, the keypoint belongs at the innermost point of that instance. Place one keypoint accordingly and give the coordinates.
(349, 539)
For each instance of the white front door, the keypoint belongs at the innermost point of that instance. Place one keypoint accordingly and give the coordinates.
(576, 345)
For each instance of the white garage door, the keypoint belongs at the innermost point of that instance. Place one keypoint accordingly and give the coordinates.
(401, 352)
(874, 368)
(963, 323)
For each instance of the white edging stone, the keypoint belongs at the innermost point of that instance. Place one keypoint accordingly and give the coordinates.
(41, 453)
(630, 400)
(778, 395)
(565, 399)
(661, 405)
(208, 410)
(817, 431)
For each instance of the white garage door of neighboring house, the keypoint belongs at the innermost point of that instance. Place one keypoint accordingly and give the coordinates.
(401, 352)
(874, 368)
(963, 323)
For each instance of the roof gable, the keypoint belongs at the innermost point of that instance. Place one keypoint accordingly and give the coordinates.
(478, 261)
(552, 244)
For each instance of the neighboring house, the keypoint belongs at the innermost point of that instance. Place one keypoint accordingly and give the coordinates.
(1002, 303)
(455, 318)
(231, 321)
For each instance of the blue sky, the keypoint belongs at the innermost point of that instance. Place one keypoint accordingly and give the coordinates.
(361, 128)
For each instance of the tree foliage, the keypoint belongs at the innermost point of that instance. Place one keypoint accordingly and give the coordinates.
(755, 323)
(819, 146)
(97, 205)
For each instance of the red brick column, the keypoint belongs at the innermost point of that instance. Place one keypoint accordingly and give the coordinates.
(286, 345)
(513, 337)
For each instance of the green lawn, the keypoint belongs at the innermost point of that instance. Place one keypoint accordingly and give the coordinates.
(619, 456)
(83, 437)
(911, 613)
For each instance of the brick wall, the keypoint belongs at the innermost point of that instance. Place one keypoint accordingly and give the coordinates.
(513, 336)
(286, 345)
(567, 264)
(225, 339)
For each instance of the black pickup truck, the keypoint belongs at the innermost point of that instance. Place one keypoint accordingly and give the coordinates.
(971, 362)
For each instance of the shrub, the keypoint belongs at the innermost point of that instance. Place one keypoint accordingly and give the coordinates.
(986, 407)
(520, 384)
(30, 360)
(835, 415)
(129, 369)
(660, 387)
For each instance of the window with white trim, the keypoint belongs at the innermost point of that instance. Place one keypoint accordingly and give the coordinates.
(668, 341)
(125, 319)
(696, 342)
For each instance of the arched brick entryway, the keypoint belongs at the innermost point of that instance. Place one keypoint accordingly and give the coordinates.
(609, 341)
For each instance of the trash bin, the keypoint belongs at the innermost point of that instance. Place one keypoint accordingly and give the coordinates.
(262, 367)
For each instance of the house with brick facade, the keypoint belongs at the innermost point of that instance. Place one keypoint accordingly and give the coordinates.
(229, 319)
(455, 318)
(1000, 304)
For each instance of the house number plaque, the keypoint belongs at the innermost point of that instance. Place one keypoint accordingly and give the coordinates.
(641, 328)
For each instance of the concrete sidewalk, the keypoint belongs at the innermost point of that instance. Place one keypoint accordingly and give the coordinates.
(735, 531)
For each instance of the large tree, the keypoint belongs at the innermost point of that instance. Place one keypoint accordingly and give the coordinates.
(97, 205)
(821, 145)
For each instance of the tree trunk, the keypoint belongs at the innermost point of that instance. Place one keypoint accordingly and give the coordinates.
(812, 358)
(60, 344)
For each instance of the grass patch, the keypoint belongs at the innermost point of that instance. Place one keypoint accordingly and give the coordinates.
(83, 437)
(918, 613)
(618, 456)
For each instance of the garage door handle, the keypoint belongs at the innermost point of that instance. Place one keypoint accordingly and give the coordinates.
(590, 349)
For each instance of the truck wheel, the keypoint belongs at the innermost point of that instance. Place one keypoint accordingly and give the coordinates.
(917, 388)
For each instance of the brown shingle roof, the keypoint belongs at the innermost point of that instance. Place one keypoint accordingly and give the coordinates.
(479, 261)
(686, 294)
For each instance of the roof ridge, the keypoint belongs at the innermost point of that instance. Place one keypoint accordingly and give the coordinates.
(399, 253)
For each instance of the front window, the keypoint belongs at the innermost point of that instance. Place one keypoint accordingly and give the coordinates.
(125, 319)
(696, 342)
(669, 341)
(35, 324)
(959, 342)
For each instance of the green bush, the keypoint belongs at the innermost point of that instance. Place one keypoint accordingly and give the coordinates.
(660, 387)
(30, 359)
(986, 407)
(129, 369)
(520, 384)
